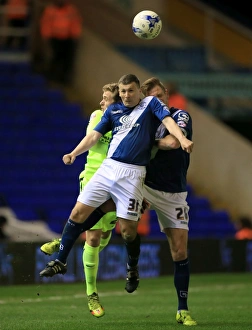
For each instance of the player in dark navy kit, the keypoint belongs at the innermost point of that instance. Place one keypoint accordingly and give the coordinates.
(133, 123)
(166, 191)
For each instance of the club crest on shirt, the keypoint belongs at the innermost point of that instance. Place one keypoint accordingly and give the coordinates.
(142, 105)
(183, 116)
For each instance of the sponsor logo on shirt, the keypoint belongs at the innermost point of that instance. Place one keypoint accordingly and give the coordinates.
(126, 123)
(115, 112)
(125, 120)
(105, 139)
(181, 123)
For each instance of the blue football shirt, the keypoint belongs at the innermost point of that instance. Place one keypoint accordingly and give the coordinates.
(167, 171)
(133, 129)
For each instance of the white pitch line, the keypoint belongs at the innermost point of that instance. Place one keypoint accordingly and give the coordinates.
(53, 298)
(231, 287)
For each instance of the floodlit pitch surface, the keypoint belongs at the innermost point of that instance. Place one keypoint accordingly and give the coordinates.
(217, 301)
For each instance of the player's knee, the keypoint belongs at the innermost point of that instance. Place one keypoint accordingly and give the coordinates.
(128, 236)
(78, 214)
(179, 254)
(94, 241)
(75, 215)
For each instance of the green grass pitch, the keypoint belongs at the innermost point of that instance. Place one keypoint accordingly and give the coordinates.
(217, 301)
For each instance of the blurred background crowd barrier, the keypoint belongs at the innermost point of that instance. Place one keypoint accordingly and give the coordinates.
(220, 257)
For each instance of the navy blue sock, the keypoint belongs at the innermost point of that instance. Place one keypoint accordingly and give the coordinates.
(133, 250)
(72, 231)
(181, 282)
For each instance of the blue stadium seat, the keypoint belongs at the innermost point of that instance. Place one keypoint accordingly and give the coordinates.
(33, 124)
(198, 203)
(55, 95)
(6, 67)
(163, 58)
(28, 79)
(5, 79)
(210, 223)
(190, 191)
(222, 225)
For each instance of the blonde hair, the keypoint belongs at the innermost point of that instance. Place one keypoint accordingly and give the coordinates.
(113, 88)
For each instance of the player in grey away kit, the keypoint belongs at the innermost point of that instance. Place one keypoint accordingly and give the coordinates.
(166, 191)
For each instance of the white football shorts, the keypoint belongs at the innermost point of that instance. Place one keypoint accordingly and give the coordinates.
(120, 181)
(171, 208)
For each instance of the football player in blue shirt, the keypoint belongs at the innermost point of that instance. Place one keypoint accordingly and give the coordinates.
(166, 191)
(133, 123)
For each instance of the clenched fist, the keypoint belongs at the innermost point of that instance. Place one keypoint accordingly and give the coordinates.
(68, 159)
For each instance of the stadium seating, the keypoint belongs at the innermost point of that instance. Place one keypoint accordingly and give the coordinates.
(189, 68)
(37, 126)
(167, 59)
(204, 221)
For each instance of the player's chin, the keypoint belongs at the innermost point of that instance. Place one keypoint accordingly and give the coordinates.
(129, 104)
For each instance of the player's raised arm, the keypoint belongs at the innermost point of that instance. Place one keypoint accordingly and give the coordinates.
(174, 129)
(86, 143)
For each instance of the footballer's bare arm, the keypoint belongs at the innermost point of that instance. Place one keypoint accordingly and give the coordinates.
(169, 142)
(86, 143)
(175, 130)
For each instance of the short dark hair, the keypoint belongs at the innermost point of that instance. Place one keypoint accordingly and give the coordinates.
(128, 79)
(151, 83)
